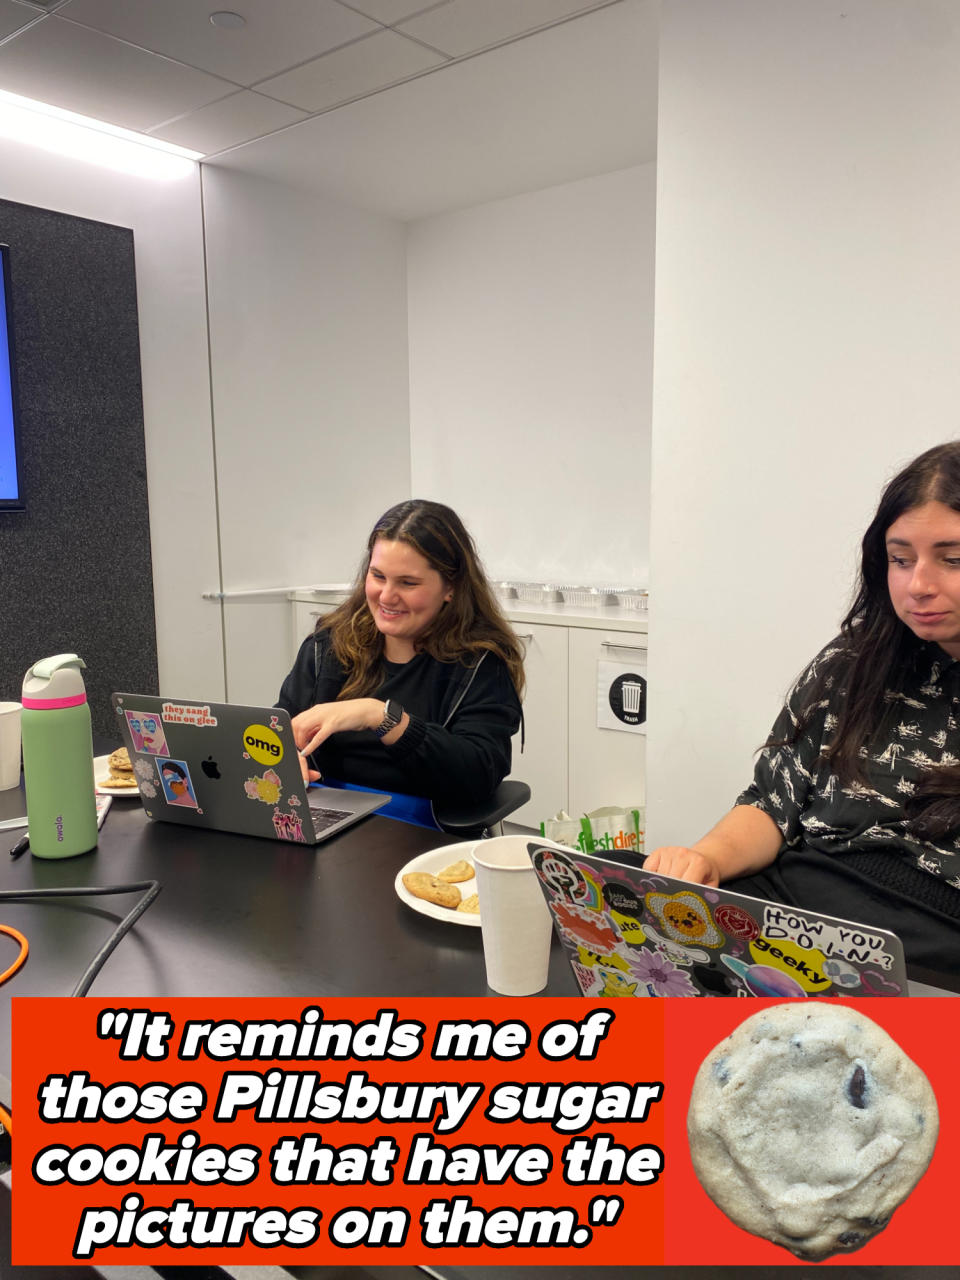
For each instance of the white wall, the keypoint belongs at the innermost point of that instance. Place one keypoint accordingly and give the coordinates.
(807, 344)
(530, 375)
(309, 372)
(165, 218)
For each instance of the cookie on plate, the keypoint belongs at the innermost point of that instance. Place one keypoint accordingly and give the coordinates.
(456, 872)
(119, 780)
(423, 885)
(119, 761)
(809, 1125)
(471, 904)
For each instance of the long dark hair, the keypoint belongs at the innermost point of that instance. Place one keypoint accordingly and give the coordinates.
(469, 624)
(878, 649)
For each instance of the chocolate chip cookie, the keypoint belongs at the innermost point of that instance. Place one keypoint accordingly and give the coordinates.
(809, 1125)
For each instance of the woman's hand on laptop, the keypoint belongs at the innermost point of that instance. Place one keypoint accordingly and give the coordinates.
(683, 864)
(319, 722)
(309, 775)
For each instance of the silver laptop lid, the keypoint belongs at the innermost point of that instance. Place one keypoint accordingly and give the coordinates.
(228, 768)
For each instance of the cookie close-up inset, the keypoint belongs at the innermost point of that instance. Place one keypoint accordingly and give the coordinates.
(809, 1125)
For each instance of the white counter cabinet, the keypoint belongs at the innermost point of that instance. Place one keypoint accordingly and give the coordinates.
(568, 762)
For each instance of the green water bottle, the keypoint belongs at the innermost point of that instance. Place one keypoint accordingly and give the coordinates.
(58, 759)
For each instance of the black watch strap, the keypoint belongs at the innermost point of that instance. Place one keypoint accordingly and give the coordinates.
(392, 715)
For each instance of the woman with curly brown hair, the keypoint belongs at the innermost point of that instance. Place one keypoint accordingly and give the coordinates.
(854, 808)
(413, 684)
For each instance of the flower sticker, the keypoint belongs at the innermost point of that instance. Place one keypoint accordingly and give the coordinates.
(661, 976)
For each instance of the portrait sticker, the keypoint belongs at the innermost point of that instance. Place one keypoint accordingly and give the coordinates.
(177, 784)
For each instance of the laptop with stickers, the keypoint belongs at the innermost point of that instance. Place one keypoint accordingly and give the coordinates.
(627, 932)
(230, 768)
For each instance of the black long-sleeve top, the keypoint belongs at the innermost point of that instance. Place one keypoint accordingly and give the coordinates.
(456, 747)
(797, 788)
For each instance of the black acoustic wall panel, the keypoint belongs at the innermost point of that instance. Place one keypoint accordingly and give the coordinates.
(75, 567)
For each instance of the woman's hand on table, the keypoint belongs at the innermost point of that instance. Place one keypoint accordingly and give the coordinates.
(315, 725)
(683, 864)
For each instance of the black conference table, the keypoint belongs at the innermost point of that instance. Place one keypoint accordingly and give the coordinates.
(242, 916)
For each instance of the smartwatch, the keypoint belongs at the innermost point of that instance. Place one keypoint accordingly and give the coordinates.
(392, 715)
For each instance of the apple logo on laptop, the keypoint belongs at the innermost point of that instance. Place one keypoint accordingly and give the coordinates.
(210, 767)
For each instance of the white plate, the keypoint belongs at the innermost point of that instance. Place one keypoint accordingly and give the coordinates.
(101, 769)
(433, 862)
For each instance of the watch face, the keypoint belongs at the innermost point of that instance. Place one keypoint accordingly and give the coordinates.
(392, 715)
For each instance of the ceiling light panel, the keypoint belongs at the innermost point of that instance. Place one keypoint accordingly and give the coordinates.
(274, 38)
(66, 133)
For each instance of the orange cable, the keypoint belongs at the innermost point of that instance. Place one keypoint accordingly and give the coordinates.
(21, 958)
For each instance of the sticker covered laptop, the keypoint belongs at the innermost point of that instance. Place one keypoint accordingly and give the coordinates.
(230, 768)
(629, 932)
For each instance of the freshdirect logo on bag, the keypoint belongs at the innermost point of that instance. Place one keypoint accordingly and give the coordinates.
(622, 840)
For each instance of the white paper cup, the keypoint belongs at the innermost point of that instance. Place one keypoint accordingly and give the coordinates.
(514, 919)
(9, 745)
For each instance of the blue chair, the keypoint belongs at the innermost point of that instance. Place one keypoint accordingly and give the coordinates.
(475, 821)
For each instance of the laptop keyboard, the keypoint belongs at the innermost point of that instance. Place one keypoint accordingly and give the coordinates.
(324, 818)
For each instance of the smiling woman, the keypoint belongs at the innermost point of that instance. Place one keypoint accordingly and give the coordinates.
(413, 684)
(854, 808)
(404, 594)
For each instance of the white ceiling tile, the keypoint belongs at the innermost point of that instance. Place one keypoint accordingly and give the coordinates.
(463, 26)
(277, 35)
(81, 70)
(576, 101)
(14, 16)
(390, 11)
(366, 65)
(229, 122)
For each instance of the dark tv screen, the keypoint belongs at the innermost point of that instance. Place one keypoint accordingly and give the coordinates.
(11, 497)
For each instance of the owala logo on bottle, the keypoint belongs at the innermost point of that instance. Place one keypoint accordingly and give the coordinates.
(60, 828)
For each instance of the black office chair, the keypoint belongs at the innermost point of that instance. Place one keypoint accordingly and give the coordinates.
(485, 819)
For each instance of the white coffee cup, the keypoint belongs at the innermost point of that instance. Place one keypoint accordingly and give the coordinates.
(514, 919)
(9, 745)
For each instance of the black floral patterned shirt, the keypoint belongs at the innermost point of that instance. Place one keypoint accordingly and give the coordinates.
(806, 799)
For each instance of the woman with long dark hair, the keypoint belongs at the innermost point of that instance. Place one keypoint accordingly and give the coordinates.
(413, 684)
(854, 809)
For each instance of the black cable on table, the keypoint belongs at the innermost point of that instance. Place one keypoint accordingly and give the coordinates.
(151, 888)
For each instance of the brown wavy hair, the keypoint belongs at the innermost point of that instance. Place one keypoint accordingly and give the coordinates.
(469, 624)
(877, 650)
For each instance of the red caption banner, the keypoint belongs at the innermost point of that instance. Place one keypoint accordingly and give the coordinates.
(406, 1131)
(224, 1130)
